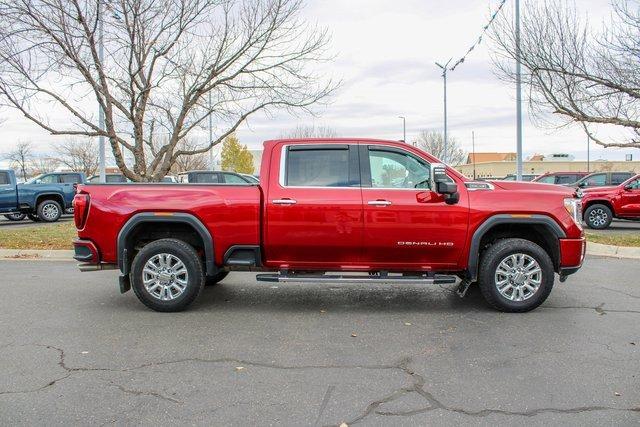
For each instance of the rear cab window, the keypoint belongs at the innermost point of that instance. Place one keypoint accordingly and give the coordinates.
(4, 178)
(330, 165)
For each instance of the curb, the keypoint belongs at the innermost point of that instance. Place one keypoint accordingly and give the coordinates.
(613, 251)
(597, 249)
(36, 255)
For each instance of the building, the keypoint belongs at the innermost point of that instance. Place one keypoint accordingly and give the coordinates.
(490, 157)
(500, 169)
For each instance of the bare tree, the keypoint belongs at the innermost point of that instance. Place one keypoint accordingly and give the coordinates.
(80, 155)
(44, 164)
(583, 75)
(432, 142)
(311, 131)
(20, 158)
(168, 66)
(189, 162)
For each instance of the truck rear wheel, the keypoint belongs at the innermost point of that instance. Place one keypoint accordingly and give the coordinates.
(214, 280)
(516, 275)
(167, 275)
(49, 211)
(598, 216)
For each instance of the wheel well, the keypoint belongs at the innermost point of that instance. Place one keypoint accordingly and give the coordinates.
(58, 198)
(146, 232)
(598, 202)
(536, 233)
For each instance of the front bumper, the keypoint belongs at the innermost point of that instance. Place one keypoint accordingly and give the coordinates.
(572, 253)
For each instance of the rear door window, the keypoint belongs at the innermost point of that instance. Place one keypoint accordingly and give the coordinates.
(4, 178)
(206, 178)
(619, 178)
(70, 178)
(317, 167)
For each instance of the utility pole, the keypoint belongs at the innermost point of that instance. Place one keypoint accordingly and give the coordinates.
(473, 150)
(444, 78)
(404, 128)
(588, 153)
(518, 98)
(211, 156)
(101, 148)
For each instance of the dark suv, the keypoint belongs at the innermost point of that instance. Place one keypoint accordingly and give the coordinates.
(560, 178)
(603, 179)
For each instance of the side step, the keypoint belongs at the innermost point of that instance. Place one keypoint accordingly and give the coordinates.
(427, 279)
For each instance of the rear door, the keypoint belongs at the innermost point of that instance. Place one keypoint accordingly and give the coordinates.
(405, 222)
(313, 206)
(8, 193)
(630, 199)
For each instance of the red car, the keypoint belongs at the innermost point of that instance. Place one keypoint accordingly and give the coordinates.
(602, 204)
(560, 178)
(370, 210)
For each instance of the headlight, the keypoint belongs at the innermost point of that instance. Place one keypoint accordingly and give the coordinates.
(574, 207)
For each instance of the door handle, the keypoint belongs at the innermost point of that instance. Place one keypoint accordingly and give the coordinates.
(379, 202)
(284, 202)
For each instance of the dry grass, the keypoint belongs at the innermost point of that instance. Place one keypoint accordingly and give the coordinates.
(616, 239)
(49, 236)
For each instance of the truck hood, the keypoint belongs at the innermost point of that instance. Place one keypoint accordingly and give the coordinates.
(598, 190)
(534, 186)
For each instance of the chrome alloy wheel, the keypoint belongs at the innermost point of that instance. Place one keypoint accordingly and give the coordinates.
(598, 217)
(50, 211)
(518, 277)
(165, 277)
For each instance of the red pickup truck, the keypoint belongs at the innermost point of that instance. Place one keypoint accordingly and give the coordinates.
(345, 210)
(602, 204)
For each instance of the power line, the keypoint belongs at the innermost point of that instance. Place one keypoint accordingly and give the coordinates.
(479, 40)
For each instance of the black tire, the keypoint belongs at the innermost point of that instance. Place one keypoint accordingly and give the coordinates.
(194, 278)
(33, 217)
(598, 217)
(49, 211)
(498, 252)
(214, 280)
(16, 216)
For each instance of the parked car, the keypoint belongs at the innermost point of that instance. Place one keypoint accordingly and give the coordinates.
(602, 179)
(331, 205)
(43, 198)
(109, 178)
(214, 177)
(602, 204)
(525, 177)
(560, 178)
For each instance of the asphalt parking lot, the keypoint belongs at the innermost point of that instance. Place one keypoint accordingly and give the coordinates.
(75, 351)
(6, 224)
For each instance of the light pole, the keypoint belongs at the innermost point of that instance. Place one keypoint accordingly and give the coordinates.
(588, 153)
(473, 150)
(101, 148)
(404, 128)
(518, 98)
(213, 166)
(444, 78)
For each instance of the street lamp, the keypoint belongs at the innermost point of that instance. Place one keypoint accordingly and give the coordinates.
(444, 77)
(518, 98)
(101, 148)
(404, 128)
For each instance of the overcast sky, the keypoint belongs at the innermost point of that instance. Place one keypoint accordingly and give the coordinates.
(385, 57)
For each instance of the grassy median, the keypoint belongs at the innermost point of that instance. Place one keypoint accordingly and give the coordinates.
(44, 236)
(616, 239)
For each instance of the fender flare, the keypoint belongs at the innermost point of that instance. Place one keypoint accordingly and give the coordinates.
(474, 247)
(46, 194)
(177, 217)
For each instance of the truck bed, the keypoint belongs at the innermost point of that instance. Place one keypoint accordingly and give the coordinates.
(231, 213)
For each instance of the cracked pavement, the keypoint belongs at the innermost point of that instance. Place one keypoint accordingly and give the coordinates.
(73, 350)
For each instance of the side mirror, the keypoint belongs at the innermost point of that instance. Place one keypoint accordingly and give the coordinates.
(582, 184)
(443, 184)
(628, 187)
(38, 181)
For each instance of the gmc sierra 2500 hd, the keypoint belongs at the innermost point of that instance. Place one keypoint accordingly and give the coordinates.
(366, 210)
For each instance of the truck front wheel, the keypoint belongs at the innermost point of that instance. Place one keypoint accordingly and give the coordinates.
(167, 275)
(49, 211)
(516, 275)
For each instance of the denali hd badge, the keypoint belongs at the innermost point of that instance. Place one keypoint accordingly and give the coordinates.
(425, 243)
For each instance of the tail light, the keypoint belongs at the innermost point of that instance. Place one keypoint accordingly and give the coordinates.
(80, 209)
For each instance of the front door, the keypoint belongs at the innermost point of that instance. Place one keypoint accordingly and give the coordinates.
(630, 199)
(8, 198)
(405, 222)
(314, 207)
